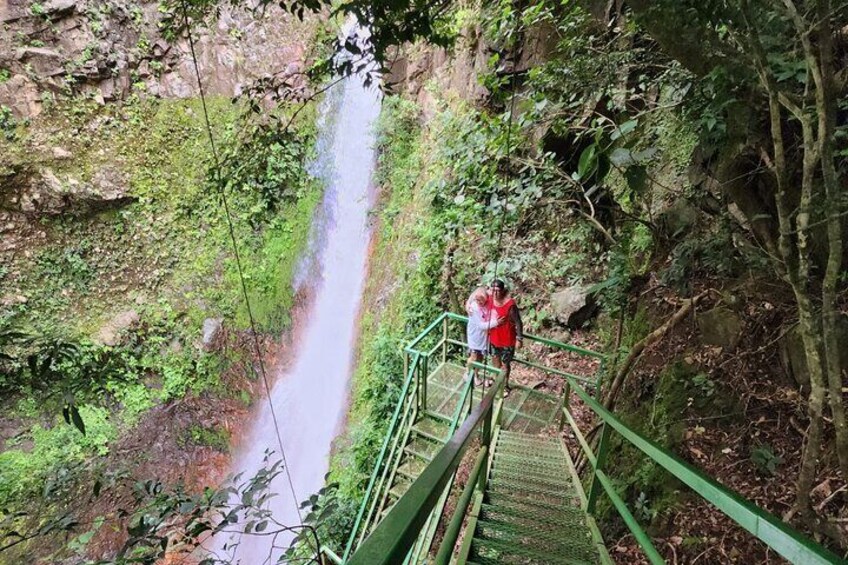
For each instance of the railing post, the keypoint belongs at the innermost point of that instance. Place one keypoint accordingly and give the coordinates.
(445, 340)
(599, 381)
(566, 405)
(422, 383)
(599, 464)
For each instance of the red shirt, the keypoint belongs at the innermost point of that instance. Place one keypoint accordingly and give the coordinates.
(503, 335)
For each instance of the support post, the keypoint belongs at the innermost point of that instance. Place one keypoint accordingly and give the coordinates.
(566, 405)
(422, 384)
(600, 380)
(596, 487)
(445, 340)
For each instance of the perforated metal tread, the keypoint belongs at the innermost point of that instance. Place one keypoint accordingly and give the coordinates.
(531, 513)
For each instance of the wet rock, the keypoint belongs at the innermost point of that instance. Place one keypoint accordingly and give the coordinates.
(21, 95)
(212, 329)
(721, 327)
(111, 333)
(60, 7)
(573, 306)
(12, 300)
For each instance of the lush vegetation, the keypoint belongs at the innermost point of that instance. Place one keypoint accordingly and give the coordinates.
(684, 151)
(165, 257)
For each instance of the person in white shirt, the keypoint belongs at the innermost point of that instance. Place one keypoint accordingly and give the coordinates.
(477, 331)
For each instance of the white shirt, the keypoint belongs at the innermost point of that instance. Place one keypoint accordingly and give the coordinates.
(478, 327)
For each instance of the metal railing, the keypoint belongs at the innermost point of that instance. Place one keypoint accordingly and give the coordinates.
(782, 538)
(392, 540)
(393, 537)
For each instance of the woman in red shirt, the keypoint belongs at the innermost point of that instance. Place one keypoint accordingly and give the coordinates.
(509, 336)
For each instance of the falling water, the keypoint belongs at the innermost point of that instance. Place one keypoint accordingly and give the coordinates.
(310, 398)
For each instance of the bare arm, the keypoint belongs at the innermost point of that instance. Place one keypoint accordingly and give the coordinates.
(515, 318)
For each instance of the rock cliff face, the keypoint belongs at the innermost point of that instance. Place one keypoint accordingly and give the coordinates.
(108, 49)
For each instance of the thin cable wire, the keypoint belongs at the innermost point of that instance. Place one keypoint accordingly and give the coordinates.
(231, 228)
(507, 177)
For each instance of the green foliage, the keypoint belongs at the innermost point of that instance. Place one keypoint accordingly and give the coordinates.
(765, 460)
(710, 254)
(24, 472)
(64, 268)
(8, 123)
(5, 75)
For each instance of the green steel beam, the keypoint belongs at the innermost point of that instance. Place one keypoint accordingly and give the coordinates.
(537, 339)
(789, 543)
(452, 532)
(386, 440)
(639, 534)
(420, 337)
(395, 535)
(518, 360)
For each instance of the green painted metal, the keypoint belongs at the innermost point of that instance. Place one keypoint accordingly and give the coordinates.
(600, 461)
(397, 533)
(420, 337)
(331, 555)
(639, 534)
(500, 525)
(527, 363)
(452, 532)
(537, 339)
(532, 507)
(389, 434)
(789, 543)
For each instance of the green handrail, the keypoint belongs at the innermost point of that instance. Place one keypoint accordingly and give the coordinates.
(455, 526)
(389, 433)
(391, 541)
(530, 337)
(527, 363)
(412, 344)
(789, 543)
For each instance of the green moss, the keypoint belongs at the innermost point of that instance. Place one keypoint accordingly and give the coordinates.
(216, 438)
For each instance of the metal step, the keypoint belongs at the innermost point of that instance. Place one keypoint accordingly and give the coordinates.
(564, 542)
(487, 552)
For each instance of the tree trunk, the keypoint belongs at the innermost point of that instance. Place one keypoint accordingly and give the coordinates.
(825, 106)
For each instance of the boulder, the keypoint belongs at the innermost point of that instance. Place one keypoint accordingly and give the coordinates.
(111, 333)
(679, 218)
(573, 306)
(721, 327)
(21, 94)
(60, 7)
(212, 328)
(50, 194)
(793, 356)
(44, 62)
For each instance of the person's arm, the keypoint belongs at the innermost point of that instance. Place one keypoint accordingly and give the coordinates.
(515, 318)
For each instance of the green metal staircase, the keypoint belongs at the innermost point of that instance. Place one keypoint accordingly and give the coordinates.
(531, 511)
(524, 502)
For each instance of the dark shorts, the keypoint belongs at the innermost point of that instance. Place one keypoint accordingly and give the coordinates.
(505, 354)
(479, 352)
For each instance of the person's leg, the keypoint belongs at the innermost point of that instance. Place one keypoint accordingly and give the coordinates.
(473, 356)
(496, 360)
(506, 359)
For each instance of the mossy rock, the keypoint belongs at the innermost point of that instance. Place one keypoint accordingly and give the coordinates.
(721, 327)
